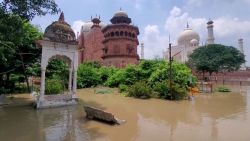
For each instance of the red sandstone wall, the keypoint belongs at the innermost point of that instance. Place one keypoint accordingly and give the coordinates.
(92, 45)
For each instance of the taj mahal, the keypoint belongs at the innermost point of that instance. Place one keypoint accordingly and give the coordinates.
(189, 40)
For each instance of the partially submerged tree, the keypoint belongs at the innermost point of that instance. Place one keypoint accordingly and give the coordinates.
(216, 58)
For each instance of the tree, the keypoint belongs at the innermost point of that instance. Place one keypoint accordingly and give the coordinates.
(28, 9)
(17, 37)
(216, 58)
(17, 46)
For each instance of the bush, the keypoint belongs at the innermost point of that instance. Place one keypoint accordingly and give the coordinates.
(105, 73)
(53, 86)
(139, 90)
(162, 89)
(123, 88)
(181, 75)
(127, 76)
(178, 92)
(87, 76)
(223, 89)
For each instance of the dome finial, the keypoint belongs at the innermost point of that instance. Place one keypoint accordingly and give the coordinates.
(120, 8)
(187, 25)
(61, 18)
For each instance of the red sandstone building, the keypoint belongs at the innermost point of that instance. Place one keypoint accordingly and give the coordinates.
(114, 44)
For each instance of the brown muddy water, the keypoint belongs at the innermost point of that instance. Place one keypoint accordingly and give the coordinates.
(210, 117)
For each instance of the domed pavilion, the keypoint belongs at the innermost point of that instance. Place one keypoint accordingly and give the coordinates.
(60, 43)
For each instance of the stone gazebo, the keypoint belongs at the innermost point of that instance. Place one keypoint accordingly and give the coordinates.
(59, 42)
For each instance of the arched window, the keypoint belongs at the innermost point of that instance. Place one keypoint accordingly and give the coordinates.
(116, 33)
(133, 35)
(112, 34)
(129, 34)
(126, 33)
(121, 33)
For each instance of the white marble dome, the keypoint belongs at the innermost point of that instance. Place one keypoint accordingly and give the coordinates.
(87, 26)
(187, 36)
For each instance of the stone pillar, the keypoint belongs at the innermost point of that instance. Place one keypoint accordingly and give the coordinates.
(42, 89)
(70, 80)
(74, 83)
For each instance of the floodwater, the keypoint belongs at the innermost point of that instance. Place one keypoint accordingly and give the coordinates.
(210, 117)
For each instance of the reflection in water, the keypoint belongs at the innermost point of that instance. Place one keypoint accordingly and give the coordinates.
(26, 124)
(217, 117)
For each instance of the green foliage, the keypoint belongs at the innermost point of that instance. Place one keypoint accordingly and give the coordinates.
(17, 47)
(139, 90)
(57, 67)
(223, 89)
(179, 92)
(18, 52)
(93, 64)
(162, 89)
(87, 76)
(106, 72)
(127, 76)
(181, 74)
(28, 9)
(122, 88)
(216, 58)
(53, 86)
(147, 67)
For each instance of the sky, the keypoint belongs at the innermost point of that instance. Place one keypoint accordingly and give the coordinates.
(159, 19)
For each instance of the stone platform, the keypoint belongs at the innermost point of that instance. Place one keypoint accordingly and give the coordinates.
(52, 101)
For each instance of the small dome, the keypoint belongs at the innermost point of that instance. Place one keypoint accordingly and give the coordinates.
(187, 35)
(121, 14)
(194, 41)
(210, 22)
(87, 26)
(59, 31)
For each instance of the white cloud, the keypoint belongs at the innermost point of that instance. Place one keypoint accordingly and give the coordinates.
(154, 42)
(77, 26)
(226, 27)
(177, 20)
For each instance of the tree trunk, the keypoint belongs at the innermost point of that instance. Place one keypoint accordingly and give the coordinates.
(25, 75)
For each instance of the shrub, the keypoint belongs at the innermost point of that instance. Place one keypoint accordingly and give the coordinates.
(105, 73)
(223, 89)
(127, 76)
(87, 76)
(181, 75)
(53, 86)
(162, 89)
(179, 92)
(139, 90)
(123, 88)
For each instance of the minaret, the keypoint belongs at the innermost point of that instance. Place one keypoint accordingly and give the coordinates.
(240, 41)
(210, 31)
(142, 50)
